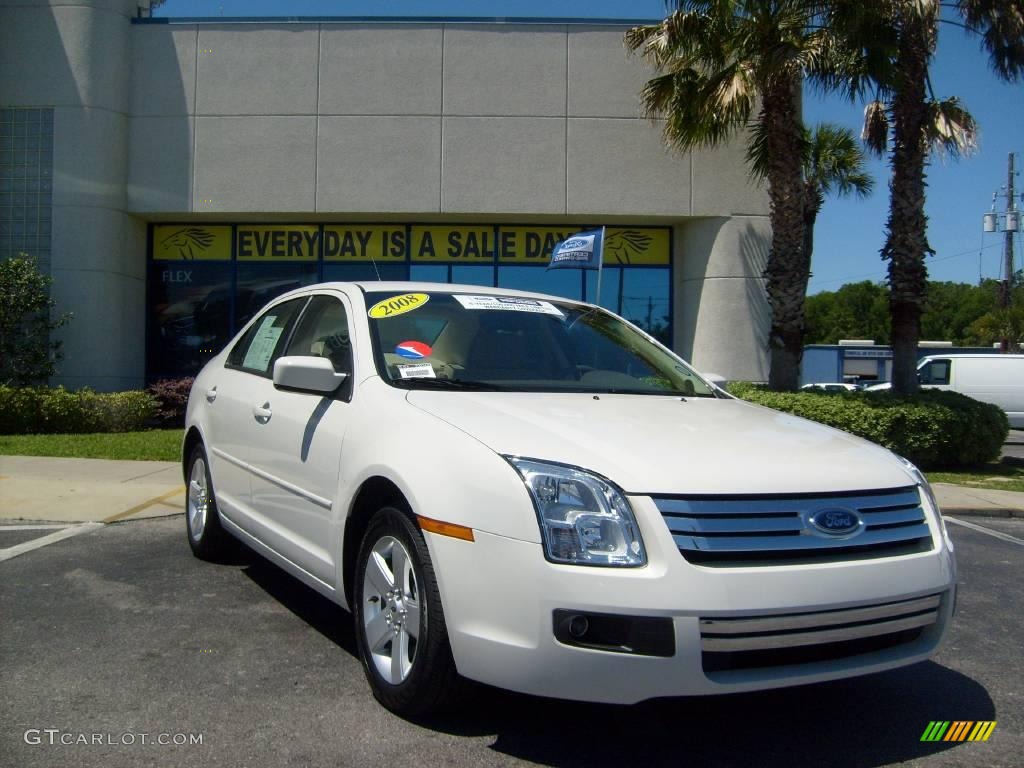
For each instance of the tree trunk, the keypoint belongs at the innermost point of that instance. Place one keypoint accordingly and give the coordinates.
(906, 239)
(787, 271)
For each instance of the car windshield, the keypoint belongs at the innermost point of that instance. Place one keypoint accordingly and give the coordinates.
(468, 341)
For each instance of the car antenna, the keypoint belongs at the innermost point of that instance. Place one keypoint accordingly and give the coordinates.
(374, 262)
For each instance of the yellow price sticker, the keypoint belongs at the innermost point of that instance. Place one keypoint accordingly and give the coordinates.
(398, 305)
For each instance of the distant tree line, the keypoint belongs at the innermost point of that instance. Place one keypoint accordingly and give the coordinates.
(967, 315)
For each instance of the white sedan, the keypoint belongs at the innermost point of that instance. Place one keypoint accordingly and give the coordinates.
(831, 386)
(532, 493)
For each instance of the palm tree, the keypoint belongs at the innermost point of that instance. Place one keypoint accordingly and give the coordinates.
(717, 62)
(896, 41)
(833, 164)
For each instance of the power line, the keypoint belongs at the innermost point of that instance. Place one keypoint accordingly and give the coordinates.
(884, 270)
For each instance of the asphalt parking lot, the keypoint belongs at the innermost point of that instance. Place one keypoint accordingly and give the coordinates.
(118, 632)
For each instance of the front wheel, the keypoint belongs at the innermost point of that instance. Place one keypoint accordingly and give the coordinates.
(206, 537)
(400, 625)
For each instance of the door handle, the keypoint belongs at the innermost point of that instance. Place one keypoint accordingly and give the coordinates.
(211, 395)
(262, 413)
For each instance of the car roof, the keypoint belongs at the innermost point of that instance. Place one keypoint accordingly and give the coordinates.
(409, 286)
(982, 356)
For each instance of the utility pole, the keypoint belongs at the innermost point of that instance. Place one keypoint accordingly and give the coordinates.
(1011, 223)
(1011, 227)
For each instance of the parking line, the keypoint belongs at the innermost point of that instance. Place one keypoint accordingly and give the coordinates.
(66, 533)
(144, 505)
(989, 531)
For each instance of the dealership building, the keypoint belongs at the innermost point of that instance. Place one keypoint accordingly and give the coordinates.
(172, 176)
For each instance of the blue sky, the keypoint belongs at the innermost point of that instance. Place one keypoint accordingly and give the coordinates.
(850, 232)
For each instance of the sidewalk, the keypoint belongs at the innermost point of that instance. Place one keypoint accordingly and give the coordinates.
(967, 501)
(88, 490)
(95, 490)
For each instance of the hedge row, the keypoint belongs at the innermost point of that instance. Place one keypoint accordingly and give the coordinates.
(34, 410)
(934, 429)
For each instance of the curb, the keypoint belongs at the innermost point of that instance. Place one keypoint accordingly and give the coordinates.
(1004, 512)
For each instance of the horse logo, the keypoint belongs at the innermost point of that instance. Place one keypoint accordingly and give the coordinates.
(626, 244)
(188, 241)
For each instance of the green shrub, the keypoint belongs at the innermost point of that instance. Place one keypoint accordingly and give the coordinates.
(934, 429)
(36, 410)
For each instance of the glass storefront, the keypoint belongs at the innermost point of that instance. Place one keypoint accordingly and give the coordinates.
(206, 281)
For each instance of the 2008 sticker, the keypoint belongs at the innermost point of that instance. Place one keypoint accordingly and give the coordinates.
(398, 305)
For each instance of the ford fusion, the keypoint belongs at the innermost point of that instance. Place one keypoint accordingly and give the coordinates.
(532, 493)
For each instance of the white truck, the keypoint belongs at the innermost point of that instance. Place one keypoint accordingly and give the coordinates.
(996, 379)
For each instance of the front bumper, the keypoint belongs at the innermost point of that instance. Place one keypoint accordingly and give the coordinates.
(500, 596)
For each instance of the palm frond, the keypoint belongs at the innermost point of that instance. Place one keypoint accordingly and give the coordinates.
(875, 133)
(835, 162)
(950, 128)
(1000, 23)
(757, 150)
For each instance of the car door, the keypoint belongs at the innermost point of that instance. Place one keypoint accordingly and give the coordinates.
(232, 396)
(296, 451)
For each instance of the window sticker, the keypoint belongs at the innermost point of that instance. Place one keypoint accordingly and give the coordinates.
(509, 304)
(398, 305)
(417, 371)
(257, 357)
(413, 350)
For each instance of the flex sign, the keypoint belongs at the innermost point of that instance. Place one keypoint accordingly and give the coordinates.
(434, 243)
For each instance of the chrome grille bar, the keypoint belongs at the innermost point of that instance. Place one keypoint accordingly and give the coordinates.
(736, 542)
(766, 633)
(798, 621)
(794, 639)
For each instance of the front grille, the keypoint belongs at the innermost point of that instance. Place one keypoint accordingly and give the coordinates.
(802, 638)
(776, 530)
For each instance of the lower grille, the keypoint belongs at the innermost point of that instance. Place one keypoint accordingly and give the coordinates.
(800, 638)
(784, 530)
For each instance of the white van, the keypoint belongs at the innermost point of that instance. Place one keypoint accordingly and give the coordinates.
(996, 379)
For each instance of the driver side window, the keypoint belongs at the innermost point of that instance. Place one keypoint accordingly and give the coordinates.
(323, 332)
(936, 372)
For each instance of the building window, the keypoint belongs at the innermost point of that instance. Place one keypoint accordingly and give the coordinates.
(206, 281)
(26, 183)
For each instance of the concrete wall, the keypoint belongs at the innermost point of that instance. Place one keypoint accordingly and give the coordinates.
(75, 57)
(429, 119)
(722, 316)
(451, 122)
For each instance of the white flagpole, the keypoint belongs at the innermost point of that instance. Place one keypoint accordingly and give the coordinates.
(600, 265)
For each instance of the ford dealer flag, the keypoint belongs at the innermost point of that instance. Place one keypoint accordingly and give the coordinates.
(582, 251)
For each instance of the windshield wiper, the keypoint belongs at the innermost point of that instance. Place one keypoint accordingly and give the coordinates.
(463, 384)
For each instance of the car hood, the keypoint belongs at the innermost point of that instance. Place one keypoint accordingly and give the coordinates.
(667, 445)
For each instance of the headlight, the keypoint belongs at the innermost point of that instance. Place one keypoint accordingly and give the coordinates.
(929, 494)
(584, 519)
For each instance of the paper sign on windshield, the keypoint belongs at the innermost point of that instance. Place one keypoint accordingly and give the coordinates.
(509, 304)
(418, 371)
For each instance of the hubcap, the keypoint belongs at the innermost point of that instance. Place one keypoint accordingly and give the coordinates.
(391, 609)
(198, 499)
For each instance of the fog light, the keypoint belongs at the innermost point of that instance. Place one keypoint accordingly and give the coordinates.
(578, 626)
(637, 635)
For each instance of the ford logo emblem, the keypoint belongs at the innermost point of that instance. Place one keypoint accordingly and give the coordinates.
(835, 521)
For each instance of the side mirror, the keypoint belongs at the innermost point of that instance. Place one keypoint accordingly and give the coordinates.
(307, 374)
(716, 379)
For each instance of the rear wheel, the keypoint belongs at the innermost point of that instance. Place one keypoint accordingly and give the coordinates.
(206, 537)
(400, 625)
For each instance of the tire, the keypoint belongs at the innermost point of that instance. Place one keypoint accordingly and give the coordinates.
(206, 537)
(421, 678)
